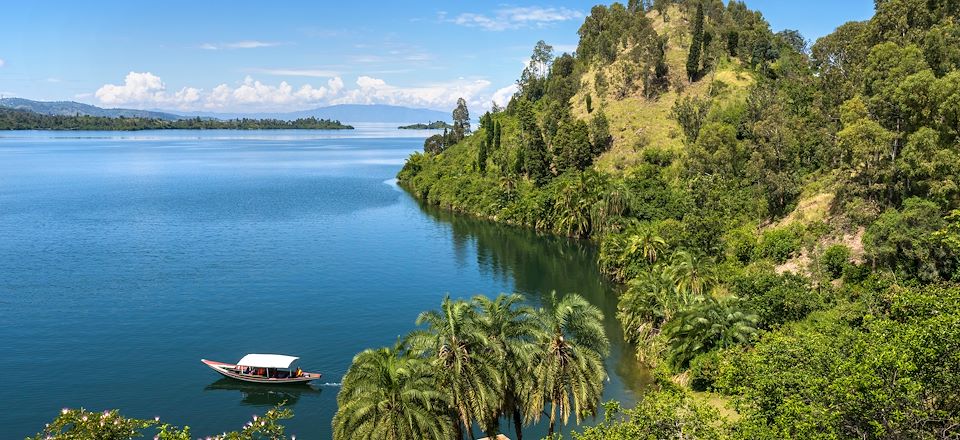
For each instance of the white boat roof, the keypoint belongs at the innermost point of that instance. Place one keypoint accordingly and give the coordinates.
(267, 360)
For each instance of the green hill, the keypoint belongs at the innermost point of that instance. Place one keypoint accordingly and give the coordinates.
(784, 216)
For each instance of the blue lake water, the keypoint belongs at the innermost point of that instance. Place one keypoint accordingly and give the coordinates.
(125, 257)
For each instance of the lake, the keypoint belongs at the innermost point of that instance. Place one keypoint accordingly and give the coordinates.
(125, 257)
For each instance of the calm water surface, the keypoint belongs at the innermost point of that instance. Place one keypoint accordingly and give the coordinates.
(127, 257)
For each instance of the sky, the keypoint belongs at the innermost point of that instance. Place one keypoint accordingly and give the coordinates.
(283, 56)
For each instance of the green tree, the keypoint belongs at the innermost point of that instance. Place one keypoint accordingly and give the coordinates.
(512, 330)
(706, 326)
(667, 414)
(572, 150)
(461, 120)
(389, 394)
(80, 424)
(903, 240)
(569, 373)
(455, 345)
(482, 153)
(696, 45)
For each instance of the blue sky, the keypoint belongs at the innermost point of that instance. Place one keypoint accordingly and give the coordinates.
(260, 56)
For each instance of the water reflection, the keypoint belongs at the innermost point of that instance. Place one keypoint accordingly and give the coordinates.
(265, 395)
(539, 264)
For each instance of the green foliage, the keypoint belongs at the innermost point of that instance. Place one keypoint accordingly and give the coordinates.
(11, 119)
(473, 363)
(659, 415)
(781, 244)
(705, 369)
(436, 125)
(696, 45)
(461, 121)
(903, 241)
(572, 149)
(870, 115)
(387, 393)
(80, 424)
(570, 373)
(706, 326)
(835, 259)
(843, 373)
(691, 112)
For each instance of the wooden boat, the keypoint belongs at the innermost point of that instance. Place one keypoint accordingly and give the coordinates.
(263, 368)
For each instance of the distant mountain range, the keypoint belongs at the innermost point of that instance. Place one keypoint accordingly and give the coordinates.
(346, 113)
(70, 108)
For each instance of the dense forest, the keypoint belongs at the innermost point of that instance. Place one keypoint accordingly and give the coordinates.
(11, 119)
(784, 216)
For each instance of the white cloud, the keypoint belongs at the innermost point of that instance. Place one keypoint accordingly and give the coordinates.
(137, 87)
(515, 18)
(335, 84)
(244, 44)
(438, 95)
(146, 90)
(2, 62)
(502, 96)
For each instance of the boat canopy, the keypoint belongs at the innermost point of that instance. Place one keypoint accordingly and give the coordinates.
(267, 361)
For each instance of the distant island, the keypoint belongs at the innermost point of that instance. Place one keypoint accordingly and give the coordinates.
(342, 112)
(438, 125)
(14, 119)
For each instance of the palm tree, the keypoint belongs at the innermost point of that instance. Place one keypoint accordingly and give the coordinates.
(453, 342)
(706, 326)
(388, 394)
(693, 275)
(577, 204)
(569, 370)
(644, 243)
(511, 330)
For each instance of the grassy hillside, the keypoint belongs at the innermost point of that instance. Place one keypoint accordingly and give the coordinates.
(784, 216)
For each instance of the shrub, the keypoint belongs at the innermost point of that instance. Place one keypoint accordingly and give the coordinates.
(705, 370)
(781, 244)
(835, 259)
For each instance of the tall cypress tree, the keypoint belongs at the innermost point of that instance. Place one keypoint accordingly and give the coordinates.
(482, 156)
(696, 46)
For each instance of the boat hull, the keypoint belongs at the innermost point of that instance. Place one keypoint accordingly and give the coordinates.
(229, 370)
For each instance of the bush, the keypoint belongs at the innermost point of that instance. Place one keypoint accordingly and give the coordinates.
(705, 370)
(780, 245)
(835, 259)
(741, 244)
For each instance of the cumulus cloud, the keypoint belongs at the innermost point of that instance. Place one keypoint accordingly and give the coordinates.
(515, 18)
(244, 44)
(146, 90)
(502, 96)
(372, 90)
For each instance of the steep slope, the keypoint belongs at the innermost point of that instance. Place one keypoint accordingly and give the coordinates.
(786, 218)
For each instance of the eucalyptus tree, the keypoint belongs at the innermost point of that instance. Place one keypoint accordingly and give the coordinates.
(568, 369)
(456, 347)
(389, 394)
(511, 329)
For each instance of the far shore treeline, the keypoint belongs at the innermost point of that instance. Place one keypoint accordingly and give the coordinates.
(11, 119)
(437, 125)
